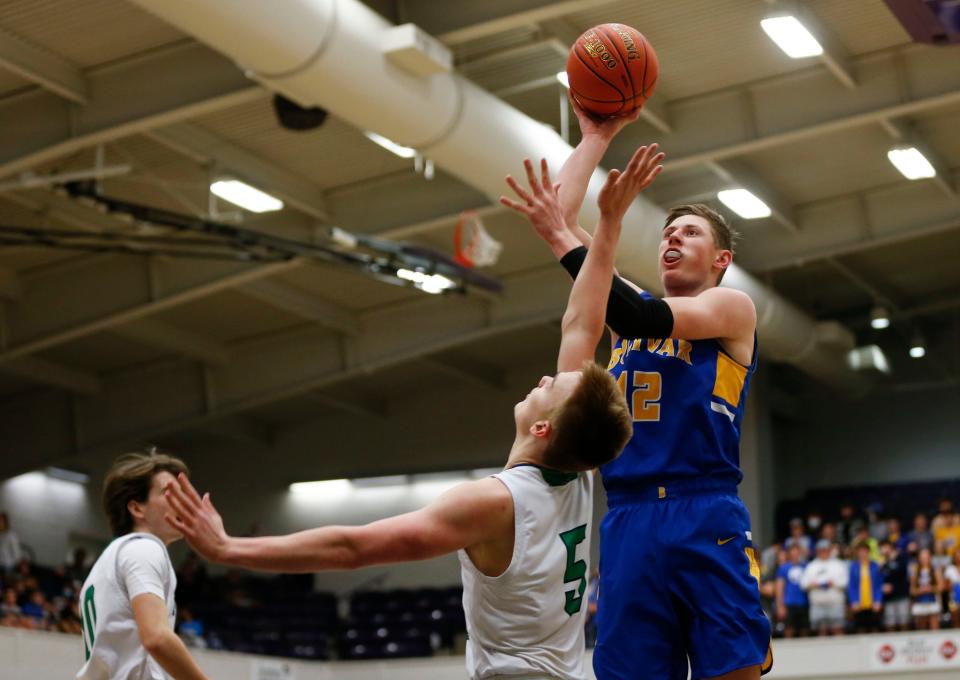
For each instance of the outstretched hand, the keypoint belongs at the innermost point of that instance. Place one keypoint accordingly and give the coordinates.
(607, 128)
(621, 188)
(196, 519)
(541, 205)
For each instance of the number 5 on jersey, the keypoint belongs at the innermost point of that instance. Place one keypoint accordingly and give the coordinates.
(88, 621)
(576, 569)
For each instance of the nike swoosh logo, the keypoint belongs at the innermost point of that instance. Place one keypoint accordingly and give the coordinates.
(724, 541)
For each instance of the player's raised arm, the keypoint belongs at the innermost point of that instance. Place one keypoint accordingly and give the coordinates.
(469, 514)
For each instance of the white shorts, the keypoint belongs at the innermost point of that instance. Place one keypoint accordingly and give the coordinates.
(832, 615)
(925, 608)
(896, 613)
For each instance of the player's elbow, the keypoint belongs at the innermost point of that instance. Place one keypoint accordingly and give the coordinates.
(155, 640)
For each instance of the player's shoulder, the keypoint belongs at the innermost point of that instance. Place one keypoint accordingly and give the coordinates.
(136, 549)
(732, 297)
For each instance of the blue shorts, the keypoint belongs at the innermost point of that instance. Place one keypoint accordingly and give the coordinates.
(678, 579)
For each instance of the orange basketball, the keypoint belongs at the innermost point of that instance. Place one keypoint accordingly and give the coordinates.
(612, 70)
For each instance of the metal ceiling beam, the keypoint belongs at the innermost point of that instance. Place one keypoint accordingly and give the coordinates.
(128, 97)
(230, 159)
(367, 408)
(51, 373)
(801, 106)
(293, 300)
(21, 57)
(164, 336)
(104, 298)
(268, 370)
(241, 429)
(471, 370)
(460, 21)
(65, 210)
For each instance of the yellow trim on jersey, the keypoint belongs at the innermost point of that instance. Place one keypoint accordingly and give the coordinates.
(730, 378)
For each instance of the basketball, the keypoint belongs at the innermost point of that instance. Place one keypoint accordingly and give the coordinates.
(612, 70)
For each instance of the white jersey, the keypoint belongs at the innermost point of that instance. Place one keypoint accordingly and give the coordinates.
(529, 620)
(130, 566)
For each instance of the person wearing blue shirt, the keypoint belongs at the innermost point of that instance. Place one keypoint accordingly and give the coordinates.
(865, 590)
(792, 603)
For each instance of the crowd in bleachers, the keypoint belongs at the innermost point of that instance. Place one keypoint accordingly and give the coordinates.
(862, 572)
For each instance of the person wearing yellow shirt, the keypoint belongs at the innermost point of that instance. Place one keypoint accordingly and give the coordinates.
(946, 534)
(865, 590)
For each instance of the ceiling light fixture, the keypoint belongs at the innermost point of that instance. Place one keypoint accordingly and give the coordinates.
(791, 36)
(428, 283)
(391, 146)
(324, 488)
(918, 347)
(911, 163)
(247, 197)
(744, 203)
(563, 79)
(879, 318)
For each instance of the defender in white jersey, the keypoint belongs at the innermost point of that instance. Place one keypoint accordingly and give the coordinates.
(127, 606)
(523, 534)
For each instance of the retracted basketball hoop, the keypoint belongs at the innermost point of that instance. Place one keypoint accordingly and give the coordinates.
(473, 244)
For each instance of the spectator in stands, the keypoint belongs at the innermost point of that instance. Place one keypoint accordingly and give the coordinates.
(68, 618)
(896, 588)
(191, 629)
(37, 611)
(848, 525)
(829, 533)
(894, 535)
(814, 522)
(926, 584)
(191, 578)
(865, 591)
(825, 580)
(946, 531)
(76, 570)
(863, 536)
(799, 537)
(10, 552)
(952, 578)
(876, 525)
(10, 612)
(920, 538)
(792, 602)
(945, 513)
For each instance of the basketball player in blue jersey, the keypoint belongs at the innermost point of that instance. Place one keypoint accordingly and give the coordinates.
(678, 569)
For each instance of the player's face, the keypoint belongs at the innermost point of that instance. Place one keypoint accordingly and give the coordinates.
(687, 253)
(549, 393)
(156, 507)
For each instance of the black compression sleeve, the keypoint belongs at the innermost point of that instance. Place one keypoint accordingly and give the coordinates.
(629, 314)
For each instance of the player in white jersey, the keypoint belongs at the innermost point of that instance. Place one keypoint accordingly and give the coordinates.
(127, 604)
(523, 534)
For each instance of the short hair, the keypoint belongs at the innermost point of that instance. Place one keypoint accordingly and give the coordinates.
(129, 479)
(591, 427)
(725, 237)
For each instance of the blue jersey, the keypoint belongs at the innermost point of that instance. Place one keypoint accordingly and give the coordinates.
(687, 400)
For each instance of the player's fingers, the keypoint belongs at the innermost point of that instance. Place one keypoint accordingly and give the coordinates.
(651, 176)
(545, 175)
(531, 177)
(513, 205)
(207, 503)
(635, 162)
(519, 190)
(175, 523)
(188, 488)
(175, 493)
(181, 508)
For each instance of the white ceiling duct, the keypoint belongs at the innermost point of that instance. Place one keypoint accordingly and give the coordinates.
(328, 53)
